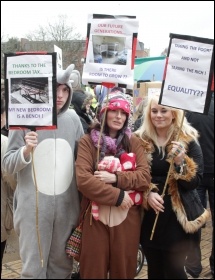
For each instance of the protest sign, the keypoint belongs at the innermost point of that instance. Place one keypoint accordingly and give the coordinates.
(59, 57)
(188, 73)
(110, 50)
(30, 86)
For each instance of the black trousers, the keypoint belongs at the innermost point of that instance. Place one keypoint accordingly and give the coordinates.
(164, 264)
(207, 188)
(194, 257)
(193, 262)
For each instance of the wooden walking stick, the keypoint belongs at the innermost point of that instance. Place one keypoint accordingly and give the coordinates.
(109, 86)
(37, 211)
(167, 179)
(37, 207)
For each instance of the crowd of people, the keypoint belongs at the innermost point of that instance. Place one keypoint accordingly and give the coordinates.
(96, 124)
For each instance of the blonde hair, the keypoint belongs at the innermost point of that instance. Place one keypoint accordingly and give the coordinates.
(147, 129)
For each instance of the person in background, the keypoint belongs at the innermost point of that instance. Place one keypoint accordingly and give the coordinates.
(51, 155)
(81, 103)
(91, 89)
(205, 126)
(100, 93)
(129, 97)
(8, 185)
(112, 241)
(166, 251)
(138, 115)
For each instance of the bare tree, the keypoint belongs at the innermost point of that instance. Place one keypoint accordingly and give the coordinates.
(58, 31)
(62, 34)
(10, 46)
(3, 37)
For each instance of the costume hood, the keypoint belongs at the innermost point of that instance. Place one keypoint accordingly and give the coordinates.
(71, 78)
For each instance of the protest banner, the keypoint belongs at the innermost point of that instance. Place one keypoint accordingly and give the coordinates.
(188, 73)
(110, 50)
(30, 86)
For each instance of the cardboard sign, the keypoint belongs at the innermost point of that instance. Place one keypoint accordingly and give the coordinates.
(142, 90)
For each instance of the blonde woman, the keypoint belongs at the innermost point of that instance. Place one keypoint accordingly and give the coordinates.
(167, 250)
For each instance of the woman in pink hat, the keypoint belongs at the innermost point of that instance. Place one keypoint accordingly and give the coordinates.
(110, 244)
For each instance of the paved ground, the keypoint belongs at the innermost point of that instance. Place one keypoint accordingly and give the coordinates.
(206, 251)
(12, 249)
(12, 264)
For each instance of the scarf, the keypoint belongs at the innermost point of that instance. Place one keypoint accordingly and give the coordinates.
(109, 145)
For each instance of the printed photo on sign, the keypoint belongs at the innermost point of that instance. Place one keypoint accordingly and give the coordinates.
(29, 90)
(109, 50)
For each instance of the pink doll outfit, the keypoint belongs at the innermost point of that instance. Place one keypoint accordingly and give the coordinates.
(112, 164)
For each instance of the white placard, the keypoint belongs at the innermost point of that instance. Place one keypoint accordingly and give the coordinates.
(30, 100)
(59, 57)
(111, 47)
(187, 75)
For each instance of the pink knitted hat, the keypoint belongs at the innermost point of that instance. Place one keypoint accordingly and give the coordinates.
(116, 101)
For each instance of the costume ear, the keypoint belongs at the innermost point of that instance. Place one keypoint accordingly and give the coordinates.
(70, 77)
(63, 76)
(75, 79)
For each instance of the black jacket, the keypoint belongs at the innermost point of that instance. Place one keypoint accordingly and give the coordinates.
(205, 125)
(169, 234)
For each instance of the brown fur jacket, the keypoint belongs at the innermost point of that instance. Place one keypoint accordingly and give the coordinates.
(173, 177)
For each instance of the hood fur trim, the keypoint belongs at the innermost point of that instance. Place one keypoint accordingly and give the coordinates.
(178, 208)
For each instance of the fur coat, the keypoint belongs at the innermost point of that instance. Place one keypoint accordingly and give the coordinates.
(173, 183)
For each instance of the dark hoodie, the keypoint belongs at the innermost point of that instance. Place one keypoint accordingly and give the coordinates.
(79, 101)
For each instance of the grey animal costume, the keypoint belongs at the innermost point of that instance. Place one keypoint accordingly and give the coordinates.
(8, 185)
(58, 199)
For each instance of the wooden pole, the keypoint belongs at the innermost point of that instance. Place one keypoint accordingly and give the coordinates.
(109, 86)
(37, 211)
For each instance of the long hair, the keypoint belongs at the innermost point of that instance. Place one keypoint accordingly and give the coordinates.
(147, 129)
(125, 140)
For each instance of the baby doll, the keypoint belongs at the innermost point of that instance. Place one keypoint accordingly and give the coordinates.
(113, 164)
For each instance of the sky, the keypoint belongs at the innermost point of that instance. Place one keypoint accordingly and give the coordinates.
(157, 19)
